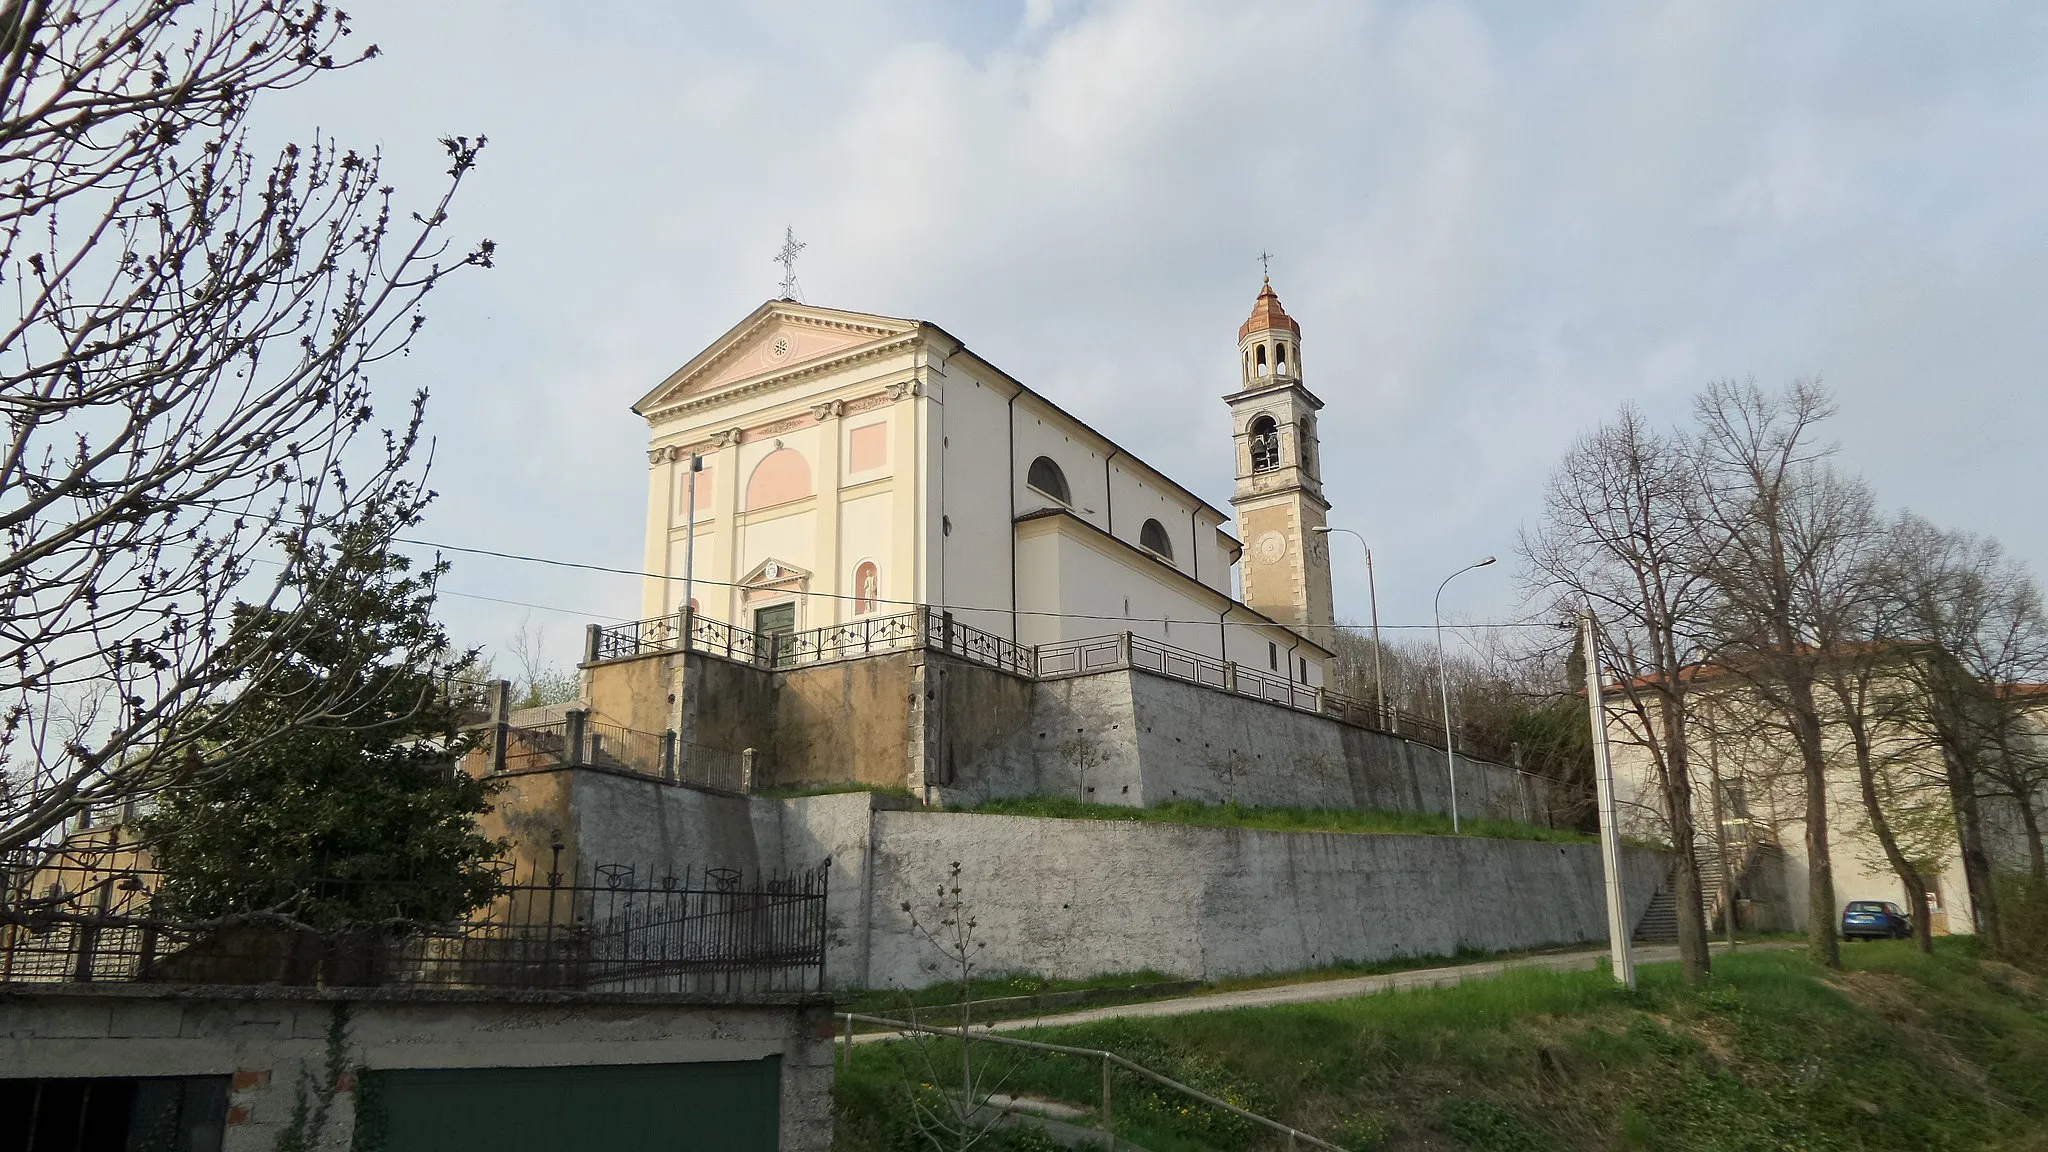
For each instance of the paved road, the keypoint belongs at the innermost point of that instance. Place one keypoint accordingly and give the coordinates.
(1341, 989)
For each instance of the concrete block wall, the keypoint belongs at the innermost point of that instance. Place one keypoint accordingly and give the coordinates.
(267, 1041)
(955, 733)
(1133, 738)
(1077, 898)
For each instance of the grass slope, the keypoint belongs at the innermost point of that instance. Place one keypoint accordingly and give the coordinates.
(1899, 1052)
(1279, 819)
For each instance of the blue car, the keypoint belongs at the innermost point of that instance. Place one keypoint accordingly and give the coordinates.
(1875, 920)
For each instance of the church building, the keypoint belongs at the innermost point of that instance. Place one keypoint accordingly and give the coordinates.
(814, 467)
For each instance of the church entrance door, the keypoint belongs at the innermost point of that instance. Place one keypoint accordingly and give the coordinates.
(775, 619)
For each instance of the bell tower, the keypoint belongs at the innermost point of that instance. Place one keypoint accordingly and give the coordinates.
(1279, 497)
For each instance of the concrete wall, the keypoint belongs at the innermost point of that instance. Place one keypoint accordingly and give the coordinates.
(267, 1043)
(959, 733)
(1130, 737)
(1074, 899)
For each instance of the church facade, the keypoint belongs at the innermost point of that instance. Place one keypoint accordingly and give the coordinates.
(815, 466)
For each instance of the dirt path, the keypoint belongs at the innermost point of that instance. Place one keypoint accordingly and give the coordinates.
(1344, 988)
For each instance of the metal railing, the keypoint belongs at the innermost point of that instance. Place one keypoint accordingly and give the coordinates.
(855, 638)
(1109, 1061)
(949, 635)
(613, 746)
(533, 745)
(84, 919)
(709, 767)
(933, 628)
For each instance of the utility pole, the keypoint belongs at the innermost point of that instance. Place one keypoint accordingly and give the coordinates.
(1623, 961)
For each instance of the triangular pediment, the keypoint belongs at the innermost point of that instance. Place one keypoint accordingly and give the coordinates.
(773, 572)
(780, 337)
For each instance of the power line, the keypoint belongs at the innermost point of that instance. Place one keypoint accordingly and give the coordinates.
(1037, 612)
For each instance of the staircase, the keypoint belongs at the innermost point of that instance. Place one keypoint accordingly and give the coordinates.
(1659, 924)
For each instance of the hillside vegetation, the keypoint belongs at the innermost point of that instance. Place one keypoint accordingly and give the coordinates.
(1900, 1051)
(1280, 819)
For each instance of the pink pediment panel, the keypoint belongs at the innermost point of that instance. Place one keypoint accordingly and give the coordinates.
(779, 345)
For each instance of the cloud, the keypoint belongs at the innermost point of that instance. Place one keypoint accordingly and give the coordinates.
(1494, 221)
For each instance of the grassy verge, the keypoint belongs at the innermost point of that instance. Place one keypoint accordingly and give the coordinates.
(1280, 819)
(1021, 997)
(1900, 1051)
(835, 790)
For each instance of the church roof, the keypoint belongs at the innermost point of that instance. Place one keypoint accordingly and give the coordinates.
(1267, 313)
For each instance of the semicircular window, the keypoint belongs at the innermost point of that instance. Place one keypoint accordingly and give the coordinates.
(1265, 438)
(1153, 538)
(1047, 478)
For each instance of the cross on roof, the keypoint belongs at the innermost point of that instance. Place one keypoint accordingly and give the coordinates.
(787, 258)
(1266, 264)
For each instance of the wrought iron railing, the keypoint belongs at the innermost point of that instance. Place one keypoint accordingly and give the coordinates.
(864, 636)
(81, 919)
(709, 767)
(944, 632)
(934, 628)
(533, 745)
(613, 746)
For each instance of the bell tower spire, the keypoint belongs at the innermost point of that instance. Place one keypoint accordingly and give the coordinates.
(1279, 496)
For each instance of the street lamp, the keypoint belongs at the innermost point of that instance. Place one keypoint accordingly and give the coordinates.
(1379, 681)
(1443, 685)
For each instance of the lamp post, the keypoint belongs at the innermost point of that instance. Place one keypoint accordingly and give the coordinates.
(1372, 596)
(1443, 684)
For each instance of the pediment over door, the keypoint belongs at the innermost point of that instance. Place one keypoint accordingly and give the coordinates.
(774, 578)
(780, 337)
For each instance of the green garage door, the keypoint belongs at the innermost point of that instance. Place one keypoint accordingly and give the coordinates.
(729, 1107)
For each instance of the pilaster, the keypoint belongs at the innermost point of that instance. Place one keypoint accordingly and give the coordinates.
(829, 576)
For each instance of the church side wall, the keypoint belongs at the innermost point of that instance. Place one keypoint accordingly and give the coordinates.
(974, 498)
(1077, 898)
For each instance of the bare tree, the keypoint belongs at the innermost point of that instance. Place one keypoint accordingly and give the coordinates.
(1790, 533)
(541, 680)
(187, 377)
(952, 1119)
(1617, 535)
(1867, 677)
(1980, 617)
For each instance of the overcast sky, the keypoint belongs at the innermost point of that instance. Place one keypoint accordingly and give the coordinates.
(1495, 222)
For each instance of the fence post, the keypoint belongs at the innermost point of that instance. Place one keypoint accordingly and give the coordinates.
(747, 771)
(572, 735)
(668, 755)
(592, 635)
(1108, 1114)
(1123, 649)
(501, 722)
(1230, 675)
(686, 623)
(946, 631)
(774, 648)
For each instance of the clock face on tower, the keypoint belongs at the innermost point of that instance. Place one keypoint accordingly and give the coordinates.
(1271, 547)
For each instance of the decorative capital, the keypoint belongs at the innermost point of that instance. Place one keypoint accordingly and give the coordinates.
(904, 390)
(657, 457)
(830, 410)
(727, 438)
